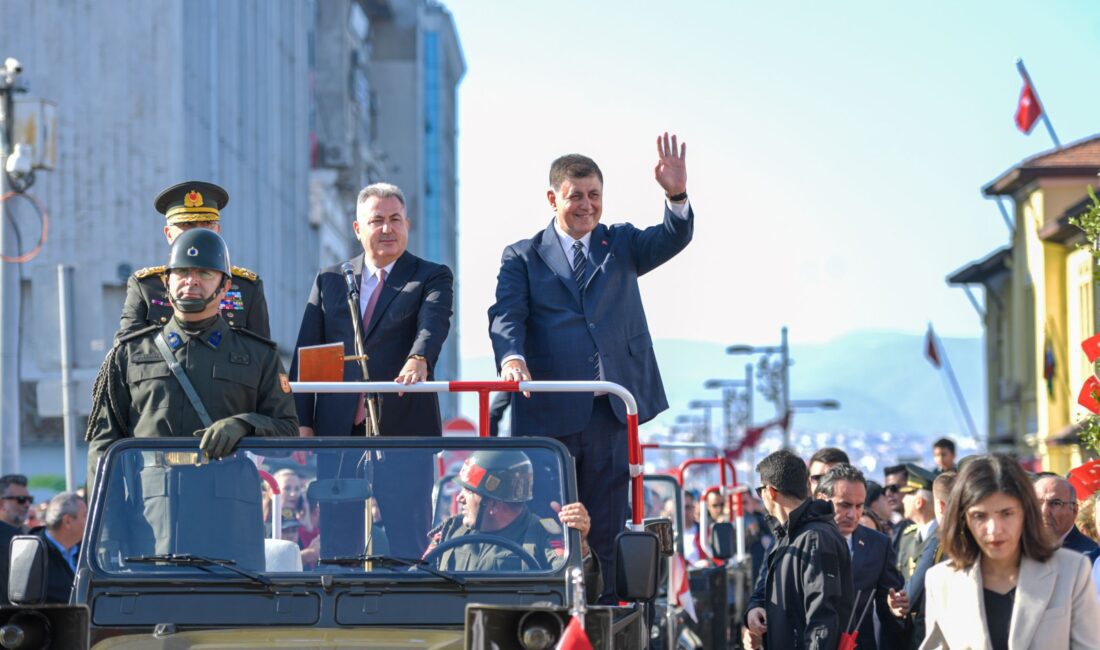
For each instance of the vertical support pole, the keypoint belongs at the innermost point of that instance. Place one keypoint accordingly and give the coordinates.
(68, 404)
(9, 303)
(748, 423)
(483, 413)
(785, 355)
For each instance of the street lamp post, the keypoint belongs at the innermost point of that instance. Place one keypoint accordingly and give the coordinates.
(728, 387)
(706, 405)
(784, 401)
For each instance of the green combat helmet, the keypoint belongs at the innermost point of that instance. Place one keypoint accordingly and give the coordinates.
(198, 248)
(502, 475)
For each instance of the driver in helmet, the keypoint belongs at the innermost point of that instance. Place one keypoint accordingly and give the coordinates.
(496, 488)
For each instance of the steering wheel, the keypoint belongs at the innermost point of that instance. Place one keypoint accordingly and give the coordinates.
(483, 538)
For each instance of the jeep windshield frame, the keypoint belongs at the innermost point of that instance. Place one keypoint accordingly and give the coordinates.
(303, 592)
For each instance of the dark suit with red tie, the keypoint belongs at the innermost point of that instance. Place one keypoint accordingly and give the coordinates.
(412, 317)
(874, 567)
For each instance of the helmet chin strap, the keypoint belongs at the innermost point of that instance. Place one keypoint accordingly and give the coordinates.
(195, 305)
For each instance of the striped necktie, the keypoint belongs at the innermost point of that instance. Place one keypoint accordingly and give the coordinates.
(580, 266)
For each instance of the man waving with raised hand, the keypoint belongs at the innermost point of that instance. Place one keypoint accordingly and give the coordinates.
(568, 307)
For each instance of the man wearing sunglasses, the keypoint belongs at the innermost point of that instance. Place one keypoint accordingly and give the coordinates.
(15, 502)
(806, 599)
(896, 477)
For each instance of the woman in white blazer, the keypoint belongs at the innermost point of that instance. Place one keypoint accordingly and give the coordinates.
(1005, 586)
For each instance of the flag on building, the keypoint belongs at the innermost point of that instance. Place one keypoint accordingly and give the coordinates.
(1028, 109)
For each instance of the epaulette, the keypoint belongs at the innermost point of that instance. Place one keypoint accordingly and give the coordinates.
(149, 270)
(256, 336)
(242, 272)
(551, 526)
(135, 334)
(911, 528)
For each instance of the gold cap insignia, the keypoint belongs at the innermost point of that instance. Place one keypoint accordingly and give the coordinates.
(192, 199)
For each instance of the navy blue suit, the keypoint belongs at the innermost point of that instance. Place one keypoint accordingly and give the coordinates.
(1078, 541)
(542, 315)
(874, 566)
(412, 316)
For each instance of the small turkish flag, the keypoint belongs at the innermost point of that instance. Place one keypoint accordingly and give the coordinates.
(931, 350)
(574, 637)
(680, 588)
(1028, 110)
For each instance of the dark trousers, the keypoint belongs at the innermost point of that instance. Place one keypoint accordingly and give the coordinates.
(603, 475)
(402, 486)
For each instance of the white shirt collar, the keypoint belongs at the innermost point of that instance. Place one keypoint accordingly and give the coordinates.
(566, 241)
(927, 529)
(370, 270)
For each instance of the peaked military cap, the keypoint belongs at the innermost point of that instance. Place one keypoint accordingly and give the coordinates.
(916, 478)
(191, 202)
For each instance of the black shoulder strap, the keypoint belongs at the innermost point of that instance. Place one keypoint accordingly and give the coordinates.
(182, 378)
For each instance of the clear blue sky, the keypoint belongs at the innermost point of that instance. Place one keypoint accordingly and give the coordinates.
(836, 150)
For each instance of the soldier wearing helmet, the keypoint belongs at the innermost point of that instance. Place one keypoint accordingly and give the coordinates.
(496, 489)
(187, 206)
(239, 386)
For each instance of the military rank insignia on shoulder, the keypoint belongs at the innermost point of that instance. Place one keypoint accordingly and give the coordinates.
(241, 272)
(911, 528)
(551, 526)
(148, 271)
(256, 336)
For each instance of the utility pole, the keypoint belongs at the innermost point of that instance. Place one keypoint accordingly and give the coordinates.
(9, 282)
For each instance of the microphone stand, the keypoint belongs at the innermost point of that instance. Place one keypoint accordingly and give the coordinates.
(361, 351)
(371, 423)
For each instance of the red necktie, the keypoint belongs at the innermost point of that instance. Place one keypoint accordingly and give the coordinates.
(361, 410)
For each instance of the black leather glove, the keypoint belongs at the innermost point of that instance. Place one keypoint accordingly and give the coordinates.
(221, 438)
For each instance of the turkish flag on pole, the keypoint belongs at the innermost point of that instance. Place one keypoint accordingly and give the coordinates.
(681, 591)
(574, 637)
(1028, 110)
(930, 349)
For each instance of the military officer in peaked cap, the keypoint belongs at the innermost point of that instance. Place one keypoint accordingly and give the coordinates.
(918, 502)
(240, 389)
(193, 204)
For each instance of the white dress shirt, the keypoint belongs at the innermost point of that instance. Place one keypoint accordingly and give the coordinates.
(369, 283)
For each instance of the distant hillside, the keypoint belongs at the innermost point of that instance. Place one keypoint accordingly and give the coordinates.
(882, 380)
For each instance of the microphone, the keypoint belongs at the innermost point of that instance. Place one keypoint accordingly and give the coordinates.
(349, 277)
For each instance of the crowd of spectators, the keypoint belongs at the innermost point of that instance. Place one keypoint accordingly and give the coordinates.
(974, 554)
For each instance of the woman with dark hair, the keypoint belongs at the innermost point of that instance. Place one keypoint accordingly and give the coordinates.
(1005, 585)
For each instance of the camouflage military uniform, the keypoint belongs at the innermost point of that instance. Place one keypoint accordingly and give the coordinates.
(244, 306)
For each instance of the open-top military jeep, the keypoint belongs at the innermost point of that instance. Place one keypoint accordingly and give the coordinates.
(182, 553)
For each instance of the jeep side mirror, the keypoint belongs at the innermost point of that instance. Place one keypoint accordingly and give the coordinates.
(27, 570)
(662, 528)
(339, 490)
(636, 555)
(721, 540)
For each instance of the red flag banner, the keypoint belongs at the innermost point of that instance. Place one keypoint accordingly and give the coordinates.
(1027, 110)
(930, 349)
(574, 637)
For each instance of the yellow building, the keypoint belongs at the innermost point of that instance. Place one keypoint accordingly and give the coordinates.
(1040, 303)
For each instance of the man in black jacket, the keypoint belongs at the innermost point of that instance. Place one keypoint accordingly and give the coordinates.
(807, 594)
